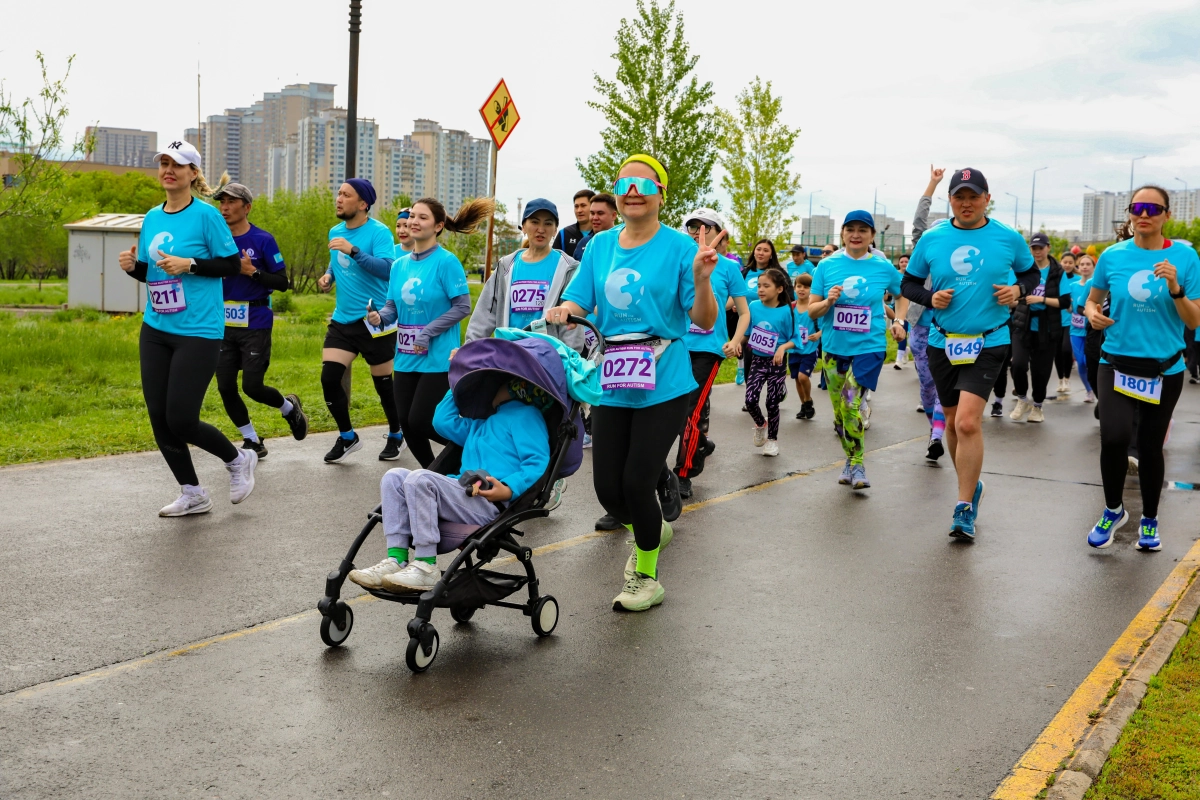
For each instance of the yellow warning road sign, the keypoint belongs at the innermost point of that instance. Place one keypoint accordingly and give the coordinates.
(500, 114)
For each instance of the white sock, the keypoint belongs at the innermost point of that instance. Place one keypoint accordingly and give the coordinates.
(188, 489)
(241, 456)
(286, 408)
(248, 432)
(1116, 511)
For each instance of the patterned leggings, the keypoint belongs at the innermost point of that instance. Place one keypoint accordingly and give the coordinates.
(929, 398)
(846, 397)
(764, 371)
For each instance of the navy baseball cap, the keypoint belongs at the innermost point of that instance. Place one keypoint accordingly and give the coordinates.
(859, 216)
(539, 204)
(969, 178)
(1039, 240)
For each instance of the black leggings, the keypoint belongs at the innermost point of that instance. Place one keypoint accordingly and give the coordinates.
(1117, 431)
(1001, 385)
(1039, 360)
(252, 384)
(629, 448)
(417, 397)
(176, 371)
(1065, 356)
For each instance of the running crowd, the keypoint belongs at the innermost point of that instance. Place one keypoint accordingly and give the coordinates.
(972, 303)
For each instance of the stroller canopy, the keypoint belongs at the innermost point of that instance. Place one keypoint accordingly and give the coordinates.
(481, 367)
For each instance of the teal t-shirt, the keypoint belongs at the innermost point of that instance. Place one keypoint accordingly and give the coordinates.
(726, 282)
(1079, 296)
(354, 284)
(858, 323)
(1145, 322)
(649, 290)
(751, 281)
(805, 267)
(1069, 284)
(1040, 291)
(422, 291)
(185, 305)
(805, 326)
(971, 262)
(528, 286)
(770, 327)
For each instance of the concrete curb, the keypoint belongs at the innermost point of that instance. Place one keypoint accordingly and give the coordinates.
(1092, 750)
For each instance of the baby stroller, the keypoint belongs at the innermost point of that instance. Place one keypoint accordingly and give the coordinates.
(477, 371)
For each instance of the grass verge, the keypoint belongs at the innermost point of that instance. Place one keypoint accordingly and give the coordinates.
(26, 293)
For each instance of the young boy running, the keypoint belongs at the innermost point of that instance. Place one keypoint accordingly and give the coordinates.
(803, 358)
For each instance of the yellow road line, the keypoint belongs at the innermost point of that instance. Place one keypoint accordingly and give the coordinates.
(1071, 722)
(129, 666)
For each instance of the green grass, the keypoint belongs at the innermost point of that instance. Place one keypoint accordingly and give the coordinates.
(1158, 754)
(25, 293)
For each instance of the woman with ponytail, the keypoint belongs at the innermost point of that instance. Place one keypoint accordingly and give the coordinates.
(183, 252)
(427, 297)
(647, 282)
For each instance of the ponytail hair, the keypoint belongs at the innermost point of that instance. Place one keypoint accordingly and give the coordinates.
(468, 217)
(200, 187)
(1125, 231)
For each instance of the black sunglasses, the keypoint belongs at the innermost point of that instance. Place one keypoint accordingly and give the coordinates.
(694, 226)
(1149, 209)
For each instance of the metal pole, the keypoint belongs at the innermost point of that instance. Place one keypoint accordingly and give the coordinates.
(1016, 209)
(1032, 194)
(1132, 162)
(810, 197)
(487, 260)
(352, 92)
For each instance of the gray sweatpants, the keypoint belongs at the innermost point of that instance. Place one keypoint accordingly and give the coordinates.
(416, 501)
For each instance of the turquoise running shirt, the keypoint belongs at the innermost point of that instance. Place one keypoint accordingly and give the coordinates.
(726, 282)
(857, 324)
(422, 291)
(354, 284)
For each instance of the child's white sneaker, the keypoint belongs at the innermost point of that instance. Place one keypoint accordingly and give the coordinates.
(772, 448)
(760, 436)
(372, 577)
(418, 576)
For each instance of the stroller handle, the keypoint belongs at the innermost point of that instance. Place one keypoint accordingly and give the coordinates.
(574, 320)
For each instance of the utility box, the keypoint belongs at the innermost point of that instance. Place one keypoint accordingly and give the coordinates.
(94, 275)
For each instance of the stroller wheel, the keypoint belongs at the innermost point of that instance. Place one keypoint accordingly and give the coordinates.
(331, 634)
(415, 655)
(462, 614)
(545, 615)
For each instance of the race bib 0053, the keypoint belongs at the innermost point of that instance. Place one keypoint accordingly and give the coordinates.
(763, 341)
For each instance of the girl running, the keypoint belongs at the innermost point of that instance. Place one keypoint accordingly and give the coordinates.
(851, 283)
(646, 282)
(803, 357)
(1152, 285)
(772, 329)
(762, 258)
(403, 237)
(183, 251)
(1079, 325)
(427, 297)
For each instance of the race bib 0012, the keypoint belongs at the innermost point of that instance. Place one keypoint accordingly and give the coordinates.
(763, 341)
(963, 348)
(853, 319)
(1148, 390)
(525, 297)
(166, 297)
(628, 367)
(406, 339)
(237, 314)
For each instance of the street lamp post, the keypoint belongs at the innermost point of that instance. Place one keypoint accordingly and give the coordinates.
(1016, 209)
(1132, 163)
(1032, 193)
(352, 91)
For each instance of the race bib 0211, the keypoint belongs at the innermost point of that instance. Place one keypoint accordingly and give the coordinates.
(166, 297)
(628, 367)
(237, 314)
(1148, 390)
(853, 319)
(406, 339)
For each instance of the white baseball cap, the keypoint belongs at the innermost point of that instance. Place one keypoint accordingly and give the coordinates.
(181, 153)
(707, 216)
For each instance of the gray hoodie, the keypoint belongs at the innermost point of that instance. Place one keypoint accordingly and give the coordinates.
(920, 225)
(491, 309)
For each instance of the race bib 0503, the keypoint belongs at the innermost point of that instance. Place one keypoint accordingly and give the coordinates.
(237, 314)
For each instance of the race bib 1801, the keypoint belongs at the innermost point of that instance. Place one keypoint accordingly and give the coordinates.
(763, 341)
(854, 319)
(962, 348)
(628, 366)
(237, 314)
(166, 297)
(1148, 390)
(526, 297)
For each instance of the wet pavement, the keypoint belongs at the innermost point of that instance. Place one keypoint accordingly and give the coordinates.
(814, 642)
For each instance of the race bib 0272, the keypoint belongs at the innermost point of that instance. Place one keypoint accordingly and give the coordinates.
(628, 367)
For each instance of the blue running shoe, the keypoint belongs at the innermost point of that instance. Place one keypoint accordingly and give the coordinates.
(847, 474)
(963, 526)
(979, 493)
(1148, 535)
(1102, 534)
(858, 477)
(741, 376)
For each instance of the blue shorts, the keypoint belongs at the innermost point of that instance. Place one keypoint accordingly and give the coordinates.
(798, 362)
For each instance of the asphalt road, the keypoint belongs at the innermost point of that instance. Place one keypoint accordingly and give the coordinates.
(814, 643)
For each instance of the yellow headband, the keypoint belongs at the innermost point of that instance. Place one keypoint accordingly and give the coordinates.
(650, 161)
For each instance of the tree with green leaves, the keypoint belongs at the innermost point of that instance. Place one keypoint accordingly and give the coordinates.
(35, 128)
(656, 105)
(756, 153)
(300, 224)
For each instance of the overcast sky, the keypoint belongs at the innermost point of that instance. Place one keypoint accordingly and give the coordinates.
(879, 89)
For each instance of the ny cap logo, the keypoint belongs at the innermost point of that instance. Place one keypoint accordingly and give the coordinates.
(966, 174)
(174, 145)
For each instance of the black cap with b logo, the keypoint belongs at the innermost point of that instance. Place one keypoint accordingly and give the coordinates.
(968, 178)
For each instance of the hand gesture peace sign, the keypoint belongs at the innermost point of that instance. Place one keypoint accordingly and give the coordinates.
(706, 257)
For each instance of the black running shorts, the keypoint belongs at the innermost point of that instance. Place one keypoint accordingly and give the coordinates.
(977, 378)
(355, 338)
(246, 349)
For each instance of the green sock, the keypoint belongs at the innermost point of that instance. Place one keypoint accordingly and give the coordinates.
(430, 560)
(398, 553)
(647, 562)
(628, 527)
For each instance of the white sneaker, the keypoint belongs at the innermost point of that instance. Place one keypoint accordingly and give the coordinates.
(372, 577)
(1036, 415)
(1091, 397)
(418, 576)
(1020, 410)
(241, 476)
(1064, 386)
(556, 494)
(772, 448)
(760, 436)
(198, 503)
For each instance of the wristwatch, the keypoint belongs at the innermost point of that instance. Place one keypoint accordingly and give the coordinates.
(1181, 294)
(355, 250)
(191, 263)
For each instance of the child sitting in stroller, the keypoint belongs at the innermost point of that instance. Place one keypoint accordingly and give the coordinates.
(510, 444)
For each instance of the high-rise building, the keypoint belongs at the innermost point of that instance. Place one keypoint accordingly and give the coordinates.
(283, 110)
(457, 166)
(195, 137)
(400, 168)
(893, 227)
(1101, 212)
(321, 150)
(223, 144)
(816, 229)
(127, 147)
